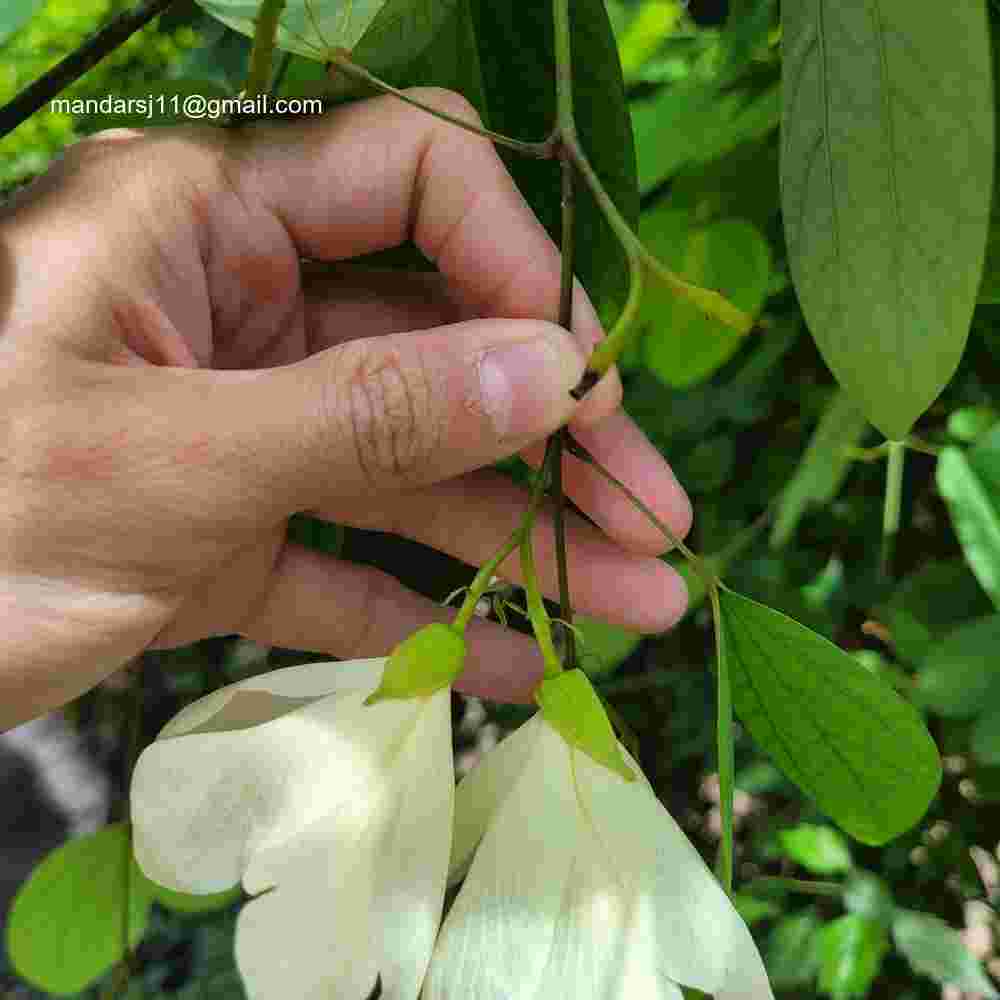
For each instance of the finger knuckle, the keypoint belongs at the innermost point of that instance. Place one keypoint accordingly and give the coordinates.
(392, 413)
(451, 102)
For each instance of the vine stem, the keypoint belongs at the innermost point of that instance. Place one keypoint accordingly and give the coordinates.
(544, 150)
(36, 95)
(726, 747)
(893, 502)
(832, 889)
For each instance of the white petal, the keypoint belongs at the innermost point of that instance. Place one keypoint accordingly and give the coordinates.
(413, 856)
(496, 941)
(481, 792)
(210, 808)
(680, 909)
(268, 696)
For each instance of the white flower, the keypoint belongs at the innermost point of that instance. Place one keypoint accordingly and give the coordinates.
(336, 815)
(582, 886)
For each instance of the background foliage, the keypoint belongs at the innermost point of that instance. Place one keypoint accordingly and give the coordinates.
(786, 498)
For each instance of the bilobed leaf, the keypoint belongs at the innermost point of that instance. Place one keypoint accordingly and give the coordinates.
(838, 731)
(886, 239)
(820, 849)
(936, 950)
(377, 32)
(851, 952)
(15, 15)
(961, 674)
(682, 345)
(823, 467)
(518, 64)
(66, 925)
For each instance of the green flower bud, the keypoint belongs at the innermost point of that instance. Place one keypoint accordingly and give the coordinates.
(421, 664)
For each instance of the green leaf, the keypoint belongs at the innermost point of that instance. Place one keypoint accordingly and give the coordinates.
(682, 345)
(691, 123)
(961, 675)
(792, 951)
(984, 740)
(929, 604)
(820, 849)
(867, 895)
(970, 484)
(603, 647)
(851, 952)
(823, 467)
(15, 15)
(886, 240)
(518, 64)
(66, 925)
(936, 950)
(753, 909)
(970, 423)
(379, 33)
(839, 732)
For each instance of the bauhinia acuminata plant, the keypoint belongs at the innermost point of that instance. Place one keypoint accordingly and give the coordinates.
(331, 798)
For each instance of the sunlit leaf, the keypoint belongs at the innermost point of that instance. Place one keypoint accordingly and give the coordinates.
(886, 182)
(377, 32)
(838, 731)
(67, 924)
(820, 849)
(851, 952)
(682, 345)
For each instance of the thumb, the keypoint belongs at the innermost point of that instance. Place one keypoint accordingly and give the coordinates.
(399, 411)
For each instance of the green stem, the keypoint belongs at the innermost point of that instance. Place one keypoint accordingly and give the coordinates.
(765, 883)
(697, 563)
(725, 744)
(544, 150)
(540, 622)
(639, 258)
(259, 77)
(893, 503)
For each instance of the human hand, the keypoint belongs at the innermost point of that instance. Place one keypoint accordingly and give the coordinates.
(176, 386)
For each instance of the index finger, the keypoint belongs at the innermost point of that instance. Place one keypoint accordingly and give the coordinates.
(371, 175)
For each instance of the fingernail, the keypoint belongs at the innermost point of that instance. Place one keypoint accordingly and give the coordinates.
(525, 385)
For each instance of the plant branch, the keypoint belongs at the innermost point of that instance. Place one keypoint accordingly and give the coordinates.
(35, 96)
(766, 883)
(544, 150)
(259, 77)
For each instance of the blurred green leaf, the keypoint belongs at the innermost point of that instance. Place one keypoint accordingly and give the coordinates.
(868, 896)
(654, 21)
(690, 123)
(967, 481)
(792, 950)
(961, 674)
(886, 243)
(191, 905)
(66, 925)
(682, 345)
(518, 65)
(851, 952)
(820, 849)
(970, 423)
(823, 467)
(929, 604)
(936, 950)
(845, 737)
(603, 647)
(15, 15)
(753, 909)
(984, 740)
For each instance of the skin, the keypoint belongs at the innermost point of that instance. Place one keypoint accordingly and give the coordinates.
(176, 384)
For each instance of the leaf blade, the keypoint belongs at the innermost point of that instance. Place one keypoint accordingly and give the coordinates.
(836, 730)
(886, 244)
